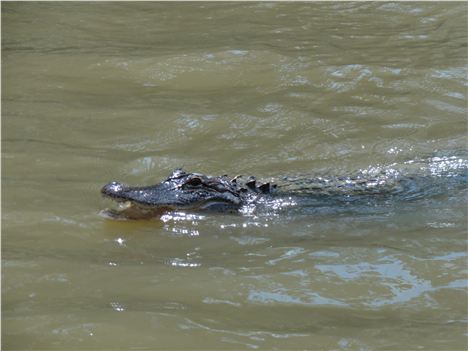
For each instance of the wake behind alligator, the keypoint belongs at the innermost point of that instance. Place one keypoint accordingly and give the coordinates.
(193, 192)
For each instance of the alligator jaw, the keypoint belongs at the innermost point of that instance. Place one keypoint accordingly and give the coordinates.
(129, 210)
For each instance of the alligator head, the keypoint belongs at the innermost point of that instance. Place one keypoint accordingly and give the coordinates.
(180, 191)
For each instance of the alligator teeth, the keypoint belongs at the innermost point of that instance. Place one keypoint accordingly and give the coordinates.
(124, 205)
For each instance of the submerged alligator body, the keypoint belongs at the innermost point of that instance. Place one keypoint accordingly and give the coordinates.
(185, 191)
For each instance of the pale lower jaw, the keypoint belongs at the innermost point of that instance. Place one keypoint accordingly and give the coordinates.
(127, 210)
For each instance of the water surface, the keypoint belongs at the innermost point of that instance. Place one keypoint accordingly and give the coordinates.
(94, 92)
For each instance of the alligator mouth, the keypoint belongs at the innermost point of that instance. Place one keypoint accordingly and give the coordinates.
(125, 209)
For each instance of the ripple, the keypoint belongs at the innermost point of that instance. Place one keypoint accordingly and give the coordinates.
(210, 301)
(401, 284)
(182, 263)
(268, 297)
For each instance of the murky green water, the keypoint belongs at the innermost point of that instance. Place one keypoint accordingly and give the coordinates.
(94, 92)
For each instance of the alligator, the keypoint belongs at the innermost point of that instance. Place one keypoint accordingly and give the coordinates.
(186, 191)
(183, 191)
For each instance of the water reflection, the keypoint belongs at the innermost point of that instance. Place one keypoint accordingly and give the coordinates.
(182, 263)
(282, 296)
(118, 307)
(174, 223)
(393, 276)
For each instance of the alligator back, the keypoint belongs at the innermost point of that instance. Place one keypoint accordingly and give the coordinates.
(411, 180)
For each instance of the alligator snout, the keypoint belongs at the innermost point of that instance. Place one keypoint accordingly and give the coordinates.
(113, 189)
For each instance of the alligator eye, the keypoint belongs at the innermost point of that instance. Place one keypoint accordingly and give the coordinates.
(194, 181)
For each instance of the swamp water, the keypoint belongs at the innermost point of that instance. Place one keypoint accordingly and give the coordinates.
(94, 92)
